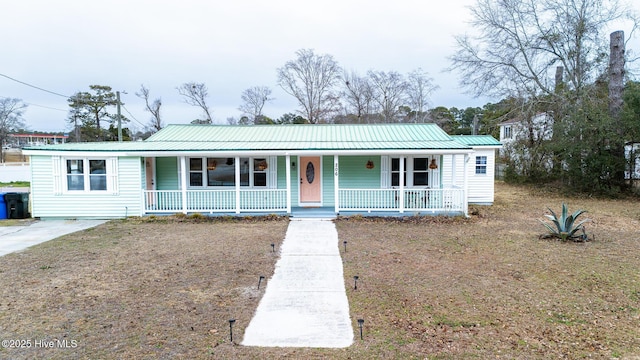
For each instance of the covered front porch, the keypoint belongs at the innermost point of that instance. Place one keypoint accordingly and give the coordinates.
(435, 201)
(395, 184)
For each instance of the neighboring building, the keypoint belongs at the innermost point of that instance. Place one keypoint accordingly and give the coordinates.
(632, 151)
(25, 140)
(299, 170)
(541, 128)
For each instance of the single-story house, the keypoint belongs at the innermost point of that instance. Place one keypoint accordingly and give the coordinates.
(298, 170)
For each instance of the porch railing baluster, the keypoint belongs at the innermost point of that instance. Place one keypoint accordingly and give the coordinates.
(415, 199)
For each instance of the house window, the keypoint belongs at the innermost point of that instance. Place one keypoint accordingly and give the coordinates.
(421, 172)
(215, 172)
(507, 132)
(222, 172)
(195, 172)
(395, 172)
(481, 164)
(260, 172)
(97, 175)
(86, 174)
(416, 171)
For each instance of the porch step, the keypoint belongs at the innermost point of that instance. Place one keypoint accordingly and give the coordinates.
(312, 213)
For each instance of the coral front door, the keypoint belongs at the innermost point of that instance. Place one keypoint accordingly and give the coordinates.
(310, 181)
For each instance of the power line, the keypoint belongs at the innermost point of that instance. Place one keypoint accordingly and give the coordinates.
(46, 107)
(35, 87)
(38, 105)
(58, 94)
(133, 117)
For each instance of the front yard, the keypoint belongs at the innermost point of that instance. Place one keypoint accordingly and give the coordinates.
(427, 288)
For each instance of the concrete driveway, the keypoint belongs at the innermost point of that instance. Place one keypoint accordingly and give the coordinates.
(19, 237)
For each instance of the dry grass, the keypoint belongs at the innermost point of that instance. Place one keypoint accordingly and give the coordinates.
(487, 287)
(435, 288)
(14, 155)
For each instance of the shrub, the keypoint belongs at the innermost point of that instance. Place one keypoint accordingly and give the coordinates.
(565, 227)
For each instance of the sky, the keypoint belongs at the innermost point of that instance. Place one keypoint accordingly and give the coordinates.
(65, 46)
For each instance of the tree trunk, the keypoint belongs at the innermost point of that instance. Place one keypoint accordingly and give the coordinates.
(559, 79)
(616, 74)
(616, 88)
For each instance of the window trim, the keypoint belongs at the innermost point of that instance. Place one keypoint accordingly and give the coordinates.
(409, 171)
(109, 175)
(481, 165)
(507, 132)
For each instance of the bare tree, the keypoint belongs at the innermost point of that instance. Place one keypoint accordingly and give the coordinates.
(155, 124)
(358, 94)
(11, 111)
(196, 94)
(521, 43)
(419, 89)
(311, 80)
(254, 100)
(389, 89)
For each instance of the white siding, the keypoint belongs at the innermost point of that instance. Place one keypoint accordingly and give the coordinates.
(481, 186)
(448, 178)
(124, 200)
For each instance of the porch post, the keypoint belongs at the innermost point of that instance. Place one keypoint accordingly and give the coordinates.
(237, 184)
(288, 180)
(466, 185)
(336, 184)
(183, 172)
(401, 202)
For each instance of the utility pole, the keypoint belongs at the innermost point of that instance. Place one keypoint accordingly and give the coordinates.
(119, 116)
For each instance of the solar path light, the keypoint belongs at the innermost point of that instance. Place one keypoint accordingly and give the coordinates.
(231, 321)
(355, 282)
(259, 281)
(360, 323)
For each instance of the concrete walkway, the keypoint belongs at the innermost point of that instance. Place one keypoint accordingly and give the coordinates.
(19, 237)
(305, 303)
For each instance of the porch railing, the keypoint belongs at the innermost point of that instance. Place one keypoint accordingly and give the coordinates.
(251, 200)
(415, 199)
(275, 200)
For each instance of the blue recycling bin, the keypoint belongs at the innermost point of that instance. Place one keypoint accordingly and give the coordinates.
(3, 207)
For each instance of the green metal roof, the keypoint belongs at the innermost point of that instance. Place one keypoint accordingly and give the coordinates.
(280, 137)
(477, 140)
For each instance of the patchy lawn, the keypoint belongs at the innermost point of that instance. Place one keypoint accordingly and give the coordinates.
(427, 288)
(487, 287)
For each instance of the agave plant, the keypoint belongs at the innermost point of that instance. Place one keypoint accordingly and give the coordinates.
(565, 226)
